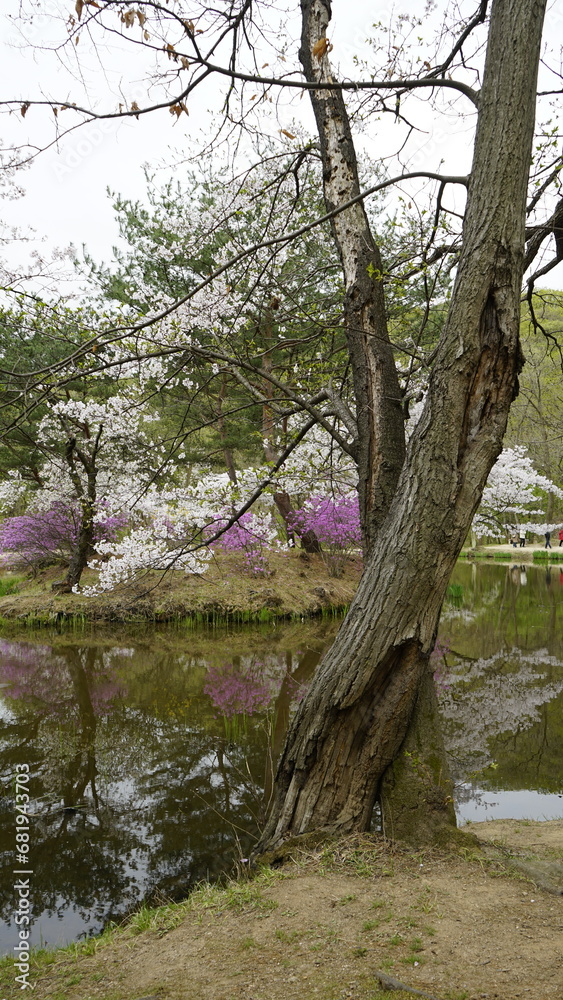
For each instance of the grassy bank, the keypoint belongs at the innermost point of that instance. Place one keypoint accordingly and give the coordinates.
(296, 586)
(331, 922)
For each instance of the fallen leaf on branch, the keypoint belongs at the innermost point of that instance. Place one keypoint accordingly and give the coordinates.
(321, 48)
(24, 109)
(176, 109)
(128, 18)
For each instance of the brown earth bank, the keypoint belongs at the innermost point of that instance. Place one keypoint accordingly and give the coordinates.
(348, 919)
(295, 585)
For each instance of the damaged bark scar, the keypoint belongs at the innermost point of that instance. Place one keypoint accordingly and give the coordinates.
(495, 375)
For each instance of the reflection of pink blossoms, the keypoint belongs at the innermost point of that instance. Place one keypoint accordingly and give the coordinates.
(234, 693)
(36, 674)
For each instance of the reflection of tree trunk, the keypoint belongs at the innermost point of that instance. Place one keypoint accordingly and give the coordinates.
(226, 784)
(300, 675)
(417, 791)
(506, 592)
(82, 770)
(553, 631)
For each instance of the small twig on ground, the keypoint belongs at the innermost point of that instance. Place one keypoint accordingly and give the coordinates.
(388, 983)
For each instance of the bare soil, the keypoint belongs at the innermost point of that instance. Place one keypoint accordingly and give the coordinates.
(463, 926)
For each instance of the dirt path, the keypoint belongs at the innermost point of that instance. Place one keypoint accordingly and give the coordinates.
(455, 927)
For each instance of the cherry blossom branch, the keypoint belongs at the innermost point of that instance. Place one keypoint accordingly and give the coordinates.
(128, 330)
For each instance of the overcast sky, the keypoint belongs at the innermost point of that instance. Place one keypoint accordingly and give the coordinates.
(66, 200)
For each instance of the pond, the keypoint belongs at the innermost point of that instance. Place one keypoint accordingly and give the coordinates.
(150, 753)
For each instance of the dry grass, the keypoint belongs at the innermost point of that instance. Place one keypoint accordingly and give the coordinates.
(321, 927)
(297, 586)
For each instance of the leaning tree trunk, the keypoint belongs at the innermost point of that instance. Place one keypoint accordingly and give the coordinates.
(380, 443)
(351, 726)
(308, 539)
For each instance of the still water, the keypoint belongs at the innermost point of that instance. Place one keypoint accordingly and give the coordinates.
(150, 752)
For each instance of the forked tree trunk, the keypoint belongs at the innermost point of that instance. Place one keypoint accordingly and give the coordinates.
(351, 726)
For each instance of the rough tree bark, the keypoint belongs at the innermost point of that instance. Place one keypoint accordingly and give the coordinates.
(380, 444)
(86, 494)
(351, 726)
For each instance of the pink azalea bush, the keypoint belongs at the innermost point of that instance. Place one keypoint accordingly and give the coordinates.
(252, 537)
(51, 533)
(336, 523)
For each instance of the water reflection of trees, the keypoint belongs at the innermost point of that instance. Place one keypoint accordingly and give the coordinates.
(80, 841)
(503, 708)
(152, 762)
(494, 610)
(136, 785)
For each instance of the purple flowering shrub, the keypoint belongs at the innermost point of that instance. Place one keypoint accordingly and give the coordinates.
(336, 523)
(52, 533)
(251, 538)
